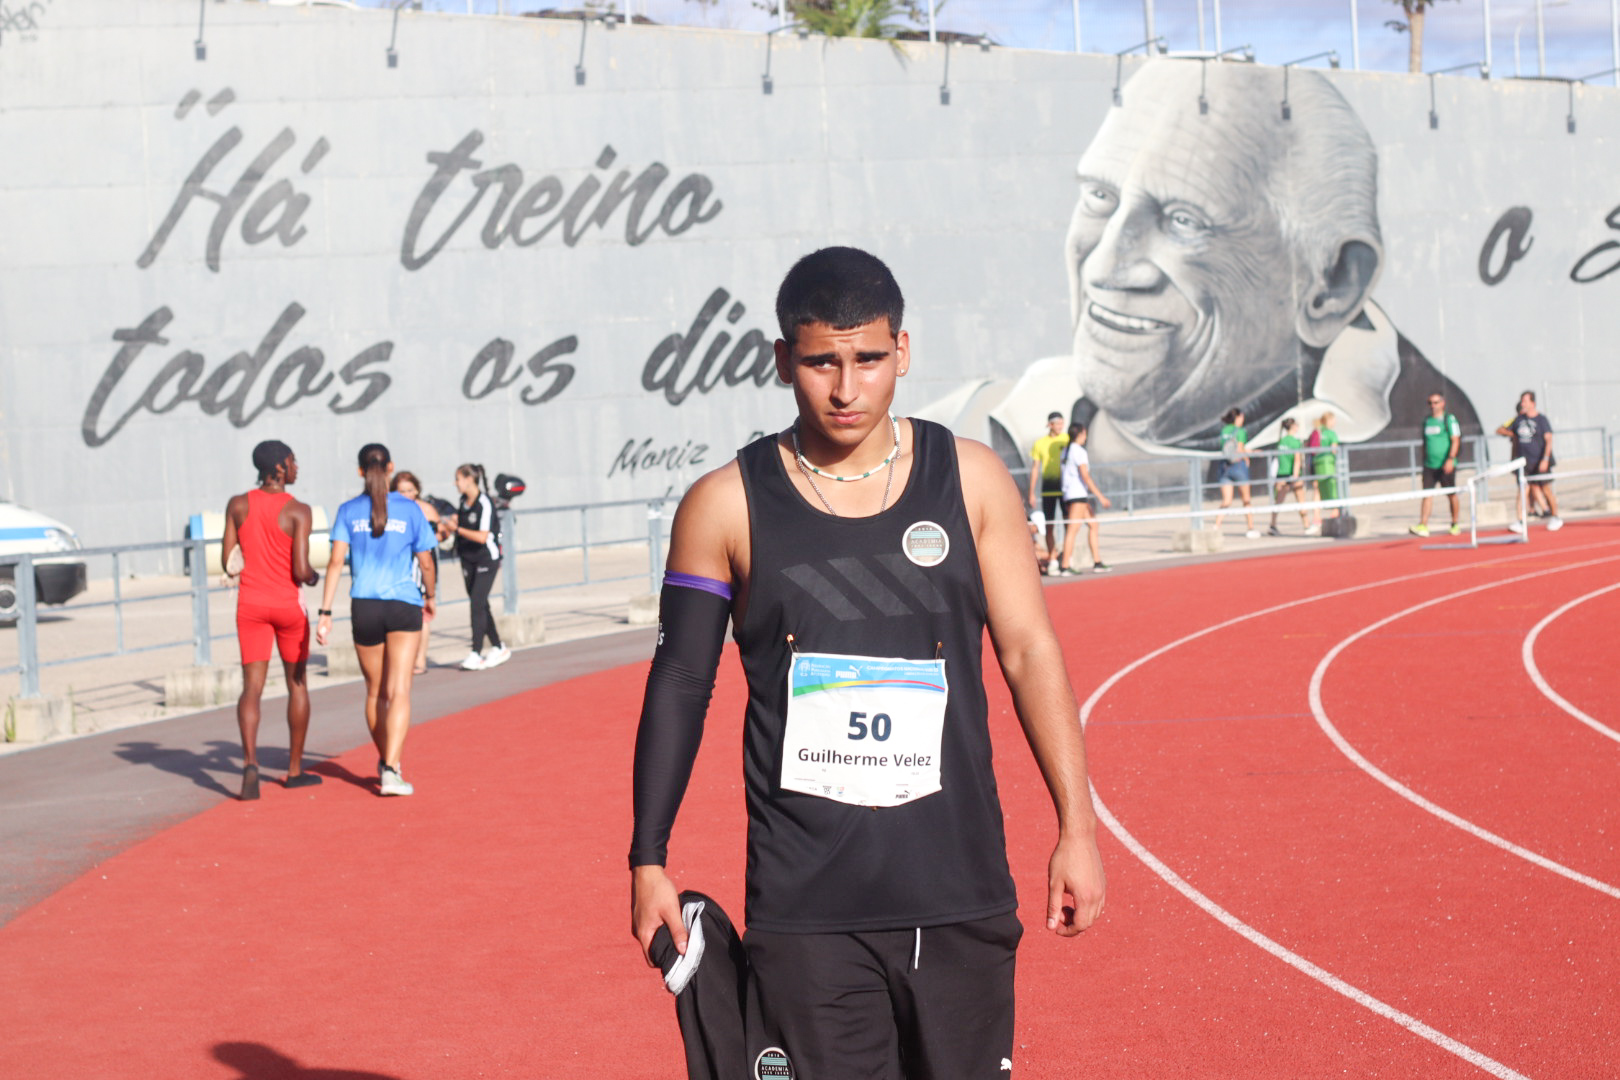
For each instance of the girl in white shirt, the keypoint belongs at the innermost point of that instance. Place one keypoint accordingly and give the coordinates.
(1081, 497)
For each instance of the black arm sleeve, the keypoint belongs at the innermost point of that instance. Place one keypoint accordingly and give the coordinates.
(691, 632)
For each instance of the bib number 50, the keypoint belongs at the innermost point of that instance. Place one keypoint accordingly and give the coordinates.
(880, 728)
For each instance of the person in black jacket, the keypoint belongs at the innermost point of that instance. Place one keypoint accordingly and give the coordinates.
(476, 528)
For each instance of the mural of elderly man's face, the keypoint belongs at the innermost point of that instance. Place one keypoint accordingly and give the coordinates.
(1187, 296)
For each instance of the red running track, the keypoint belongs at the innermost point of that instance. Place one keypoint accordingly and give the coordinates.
(480, 928)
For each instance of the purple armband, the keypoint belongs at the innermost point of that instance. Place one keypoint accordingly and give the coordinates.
(722, 589)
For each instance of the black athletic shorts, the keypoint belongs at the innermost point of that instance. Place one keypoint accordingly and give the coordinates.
(1051, 501)
(373, 620)
(1089, 500)
(1438, 477)
(934, 1003)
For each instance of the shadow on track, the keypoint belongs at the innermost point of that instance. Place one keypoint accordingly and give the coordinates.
(256, 1061)
(221, 764)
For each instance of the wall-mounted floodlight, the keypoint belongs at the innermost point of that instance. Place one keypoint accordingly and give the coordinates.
(584, 29)
(393, 36)
(945, 86)
(766, 83)
(1203, 72)
(1569, 121)
(1434, 115)
(1119, 61)
(200, 46)
(1333, 62)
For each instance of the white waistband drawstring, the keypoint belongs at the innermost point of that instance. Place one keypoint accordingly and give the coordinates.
(916, 950)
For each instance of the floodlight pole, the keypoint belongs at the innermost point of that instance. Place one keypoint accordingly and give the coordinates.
(1075, 5)
(1201, 45)
(1355, 38)
(1147, 20)
(932, 36)
(1541, 41)
(1614, 36)
(1217, 14)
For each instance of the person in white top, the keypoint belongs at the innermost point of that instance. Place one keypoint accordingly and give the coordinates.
(1081, 497)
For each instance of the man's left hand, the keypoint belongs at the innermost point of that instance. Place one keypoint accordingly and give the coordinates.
(1075, 886)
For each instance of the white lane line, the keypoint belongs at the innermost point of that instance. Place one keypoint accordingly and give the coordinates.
(1296, 961)
(1407, 793)
(1232, 922)
(1529, 655)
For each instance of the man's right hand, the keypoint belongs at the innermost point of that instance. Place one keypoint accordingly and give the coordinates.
(654, 902)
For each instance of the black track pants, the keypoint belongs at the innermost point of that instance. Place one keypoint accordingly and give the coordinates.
(480, 579)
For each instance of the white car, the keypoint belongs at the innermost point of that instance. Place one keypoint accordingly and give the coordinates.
(58, 577)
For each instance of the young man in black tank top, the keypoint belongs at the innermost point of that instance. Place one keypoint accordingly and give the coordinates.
(859, 559)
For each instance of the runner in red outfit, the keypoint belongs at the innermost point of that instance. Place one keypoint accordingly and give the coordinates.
(271, 530)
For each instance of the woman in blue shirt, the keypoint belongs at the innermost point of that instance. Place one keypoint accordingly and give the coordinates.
(389, 545)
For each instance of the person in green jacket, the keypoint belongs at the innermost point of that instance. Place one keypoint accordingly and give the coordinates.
(1324, 462)
(1290, 469)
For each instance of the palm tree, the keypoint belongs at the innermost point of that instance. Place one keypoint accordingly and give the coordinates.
(853, 18)
(1415, 11)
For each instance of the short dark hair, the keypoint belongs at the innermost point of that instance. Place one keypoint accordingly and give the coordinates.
(842, 287)
(1053, 416)
(269, 456)
(1531, 394)
(1230, 415)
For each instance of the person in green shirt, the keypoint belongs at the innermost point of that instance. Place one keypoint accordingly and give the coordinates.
(1324, 462)
(1442, 441)
(1235, 468)
(1046, 478)
(1290, 467)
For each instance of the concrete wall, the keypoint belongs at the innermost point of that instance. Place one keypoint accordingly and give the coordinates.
(195, 256)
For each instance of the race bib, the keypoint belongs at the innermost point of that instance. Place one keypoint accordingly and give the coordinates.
(863, 730)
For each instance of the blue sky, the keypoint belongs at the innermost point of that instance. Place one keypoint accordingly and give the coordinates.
(1577, 31)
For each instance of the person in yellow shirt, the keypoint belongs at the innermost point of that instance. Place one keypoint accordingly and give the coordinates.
(1046, 483)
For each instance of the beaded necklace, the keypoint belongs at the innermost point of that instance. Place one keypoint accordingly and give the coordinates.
(811, 472)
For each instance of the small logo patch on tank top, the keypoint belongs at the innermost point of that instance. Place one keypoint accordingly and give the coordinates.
(925, 544)
(773, 1064)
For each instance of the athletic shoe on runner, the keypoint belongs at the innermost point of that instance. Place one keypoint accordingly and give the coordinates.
(393, 783)
(1313, 530)
(1100, 568)
(497, 656)
(1517, 526)
(1419, 530)
(474, 662)
(1455, 529)
(1069, 571)
(1555, 523)
(1274, 531)
(1252, 534)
